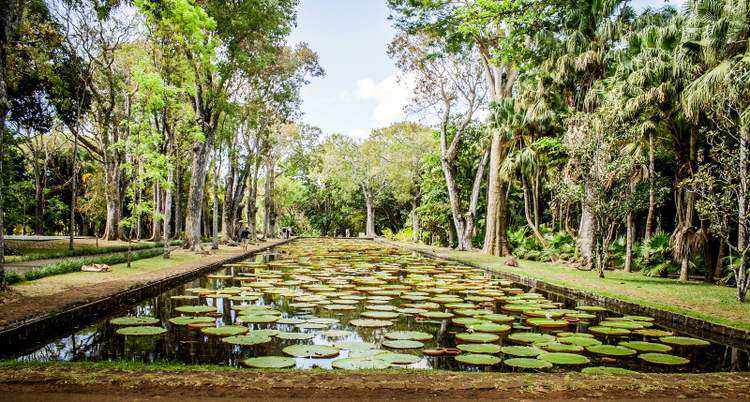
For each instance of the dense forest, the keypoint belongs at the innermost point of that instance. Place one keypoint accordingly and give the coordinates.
(572, 131)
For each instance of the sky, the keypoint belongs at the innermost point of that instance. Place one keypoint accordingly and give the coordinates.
(361, 90)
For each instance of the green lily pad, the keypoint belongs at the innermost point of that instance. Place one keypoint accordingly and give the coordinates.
(335, 333)
(311, 325)
(359, 363)
(127, 321)
(226, 330)
(386, 315)
(526, 363)
(403, 344)
(579, 341)
(499, 318)
(530, 337)
(684, 341)
(491, 328)
(606, 370)
(257, 319)
(479, 337)
(321, 351)
(195, 309)
(249, 339)
(638, 318)
(547, 323)
(408, 335)
(522, 351)
(466, 321)
(437, 315)
(599, 330)
(290, 321)
(269, 362)
(663, 358)
(653, 333)
(483, 348)
(646, 346)
(478, 359)
(611, 350)
(191, 320)
(369, 323)
(399, 358)
(294, 336)
(355, 345)
(621, 324)
(141, 330)
(327, 321)
(183, 297)
(559, 347)
(564, 358)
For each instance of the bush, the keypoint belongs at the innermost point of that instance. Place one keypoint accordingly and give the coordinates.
(655, 256)
(12, 277)
(91, 251)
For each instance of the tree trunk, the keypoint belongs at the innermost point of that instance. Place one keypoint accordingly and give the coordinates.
(73, 190)
(215, 244)
(495, 237)
(269, 221)
(113, 195)
(168, 209)
(252, 201)
(651, 191)
(586, 231)
(39, 198)
(630, 235)
(155, 221)
(197, 192)
(414, 219)
(178, 201)
(370, 205)
(740, 273)
(228, 210)
(527, 213)
(718, 268)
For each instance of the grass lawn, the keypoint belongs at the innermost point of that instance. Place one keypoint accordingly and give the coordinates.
(38, 250)
(61, 283)
(712, 303)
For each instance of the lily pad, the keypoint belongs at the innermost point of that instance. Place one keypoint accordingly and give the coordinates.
(684, 341)
(522, 351)
(335, 333)
(294, 336)
(257, 319)
(564, 358)
(579, 340)
(599, 330)
(646, 346)
(226, 330)
(653, 333)
(399, 358)
(478, 359)
(621, 324)
(386, 315)
(195, 309)
(663, 358)
(491, 328)
(311, 325)
(355, 345)
(559, 347)
(436, 315)
(403, 344)
(359, 363)
(127, 321)
(408, 335)
(290, 321)
(269, 362)
(320, 351)
(484, 348)
(526, 363)
(606, 370)
(369, 323)
(479, 337)
(547, 323)
(499, 318)
(192, 320)
(611, 350)
(247, 340)
(141, 330)
(530, 337)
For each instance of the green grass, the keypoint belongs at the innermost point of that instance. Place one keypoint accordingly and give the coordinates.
(713, 303)
(75, 264)
(59, 250)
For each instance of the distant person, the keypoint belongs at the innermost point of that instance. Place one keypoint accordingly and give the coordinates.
(244, 237)
(348, 234)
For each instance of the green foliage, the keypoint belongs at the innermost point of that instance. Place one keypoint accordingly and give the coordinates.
(75, 264)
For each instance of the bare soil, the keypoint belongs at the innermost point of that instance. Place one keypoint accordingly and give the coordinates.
(66, 383)
(61, 292)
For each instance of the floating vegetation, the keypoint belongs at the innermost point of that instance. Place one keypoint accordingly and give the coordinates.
(526, 363)
(128, 320)
(683, 341)
(663, 358)
(547, 323)
(192, 320)
(371, 323)
(642, 346)
(479, 337)
(294, 336)
(522, 351)
(609, 331)
(564, 358)
(195, 309)
(530, 337)
(226, 330)
(276, 362)
(483, 348)
(360, 363)
(408, 335)
(611, 350)
(478, 359)
(321, 351)
(559, 347)
(140, 331)
(403, 344)
(355, 345)
(251, 338)
(399, 358)
(653, 333)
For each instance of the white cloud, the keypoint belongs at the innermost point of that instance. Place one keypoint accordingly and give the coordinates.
(358, 133)
(390, 96)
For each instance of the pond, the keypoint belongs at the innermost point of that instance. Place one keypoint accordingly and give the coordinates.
(360, 304)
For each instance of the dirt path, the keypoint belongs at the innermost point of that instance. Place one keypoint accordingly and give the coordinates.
(59, 292)
(70, 383)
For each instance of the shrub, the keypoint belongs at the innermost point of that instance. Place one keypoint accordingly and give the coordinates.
(74, 265)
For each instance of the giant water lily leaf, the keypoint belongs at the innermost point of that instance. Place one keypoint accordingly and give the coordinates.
(127, 321)
(646, 346)
(355, 345)
(250, 339)
(141, 330)
(360, 363)
(479, 337)
(606, 370)
(611, 350)
(408, 335)
(530, 337)
(370, 323)
(195, 309)
(269, 362)
(564, 358)
(522, 351)
(226, 330)
(663, 358)
(478, 359)
(192, 320)
(683, 341)
(403, 344)
(526, 363)
(322, 351)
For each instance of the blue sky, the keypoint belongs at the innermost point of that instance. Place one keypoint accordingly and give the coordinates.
(360, 91)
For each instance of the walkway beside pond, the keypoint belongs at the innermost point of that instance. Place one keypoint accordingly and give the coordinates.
(138, 381)
(713, 303)
(57, 293)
